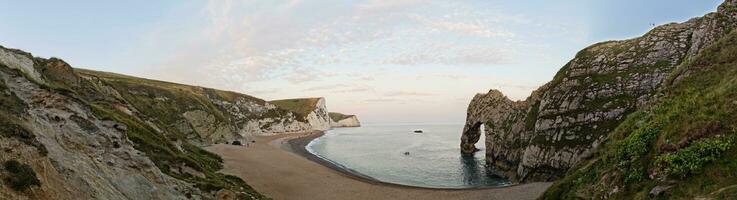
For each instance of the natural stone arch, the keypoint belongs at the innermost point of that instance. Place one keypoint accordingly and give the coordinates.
(490, 110)
(469, 138)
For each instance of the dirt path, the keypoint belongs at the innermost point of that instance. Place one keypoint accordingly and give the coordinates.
(277, 168)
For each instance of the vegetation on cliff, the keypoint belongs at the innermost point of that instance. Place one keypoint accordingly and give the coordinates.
(338, 116)
(680, 146)
(20, 176)
(83, 104)
(302, 106)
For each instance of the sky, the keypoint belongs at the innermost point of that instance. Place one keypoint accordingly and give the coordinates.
(399, 61)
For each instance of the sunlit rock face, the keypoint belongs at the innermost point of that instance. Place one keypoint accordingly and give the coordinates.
(538, 139)
(339, 120)
(97, 135)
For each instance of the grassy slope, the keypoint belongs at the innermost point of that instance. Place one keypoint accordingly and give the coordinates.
(686, 139)
(338, 116)
(301, 107)
(160, 146)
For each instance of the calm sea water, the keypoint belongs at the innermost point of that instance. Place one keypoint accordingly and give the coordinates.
(434, 158)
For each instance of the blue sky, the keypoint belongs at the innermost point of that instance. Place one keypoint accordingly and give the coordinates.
(387, 61)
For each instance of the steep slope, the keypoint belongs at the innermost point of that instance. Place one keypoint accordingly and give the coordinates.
(540, 138)
(682, 146)
(69, 134)
(338, 120)
(310, 110)
(209, 114)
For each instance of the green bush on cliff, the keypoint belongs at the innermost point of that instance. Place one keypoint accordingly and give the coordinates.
(9, 103)
(21, 176)
(631, 151)
(693, 158)
(685, 136)
(9, 129)
(168, 158)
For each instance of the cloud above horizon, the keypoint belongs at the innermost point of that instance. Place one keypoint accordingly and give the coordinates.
(355, 52)
(386, 60)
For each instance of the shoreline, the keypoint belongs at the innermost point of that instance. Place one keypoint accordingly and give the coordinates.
(279, 166)
(298, 145)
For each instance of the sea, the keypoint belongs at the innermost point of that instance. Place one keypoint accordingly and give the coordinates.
(393, 153)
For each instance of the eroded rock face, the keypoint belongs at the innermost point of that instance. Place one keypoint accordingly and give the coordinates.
(340, 120)
(351, 121)
(319, 118)
(83, 157)
(540, 138)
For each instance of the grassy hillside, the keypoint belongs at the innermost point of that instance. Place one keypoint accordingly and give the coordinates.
(338, 116)
(302, 106)
(683, 143)
(154, 132)
(150, 113)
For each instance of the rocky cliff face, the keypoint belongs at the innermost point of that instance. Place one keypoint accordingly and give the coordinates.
(206, 115)
(339, 120)
(77, 134)
(312, 113)
(540, 138)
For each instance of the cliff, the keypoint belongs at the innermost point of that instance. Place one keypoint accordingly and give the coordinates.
(565, 120)
(680, 146)
(312, 111)
(339, 120)
(70, 133)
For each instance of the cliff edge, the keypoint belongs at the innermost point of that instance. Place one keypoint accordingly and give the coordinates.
(339, 120)
(562, 122)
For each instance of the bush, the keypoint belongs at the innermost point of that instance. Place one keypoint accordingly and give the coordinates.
(693, 158)
(632, 149)
(21, 176)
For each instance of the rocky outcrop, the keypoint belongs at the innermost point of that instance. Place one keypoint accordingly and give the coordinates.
(93, 135)
(339, 120)
(540, 138)
(311, 113)
(206, 115)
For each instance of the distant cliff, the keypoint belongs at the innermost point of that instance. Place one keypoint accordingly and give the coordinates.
(339, 120)
(311, 111)
(565, 120)
(70, 133)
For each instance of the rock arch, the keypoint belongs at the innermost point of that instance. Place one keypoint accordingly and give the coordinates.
(492, 108)
(470, 136)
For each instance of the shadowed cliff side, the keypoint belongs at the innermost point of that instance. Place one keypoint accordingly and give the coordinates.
(680, 146)
(78, 134)
(540, 138)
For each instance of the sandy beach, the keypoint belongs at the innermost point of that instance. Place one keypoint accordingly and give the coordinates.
(281, 168)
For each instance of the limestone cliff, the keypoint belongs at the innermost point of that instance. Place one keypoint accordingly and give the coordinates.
(311, 111)
(77, 134)
(540, 138)
(339, 120)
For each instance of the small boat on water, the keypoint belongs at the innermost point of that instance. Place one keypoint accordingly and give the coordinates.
(418, 131)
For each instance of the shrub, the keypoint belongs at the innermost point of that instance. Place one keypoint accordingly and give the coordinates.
(21, 176)
(693, 158)
(632, 149)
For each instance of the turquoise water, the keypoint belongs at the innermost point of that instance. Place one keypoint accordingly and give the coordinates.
(434, 158)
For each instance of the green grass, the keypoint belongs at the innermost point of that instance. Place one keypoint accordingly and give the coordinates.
(163, 104)
(692, 159)
(338, 116)
(686, 137)
(302, 107)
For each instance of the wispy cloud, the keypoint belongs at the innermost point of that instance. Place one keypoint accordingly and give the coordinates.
(406, 93)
